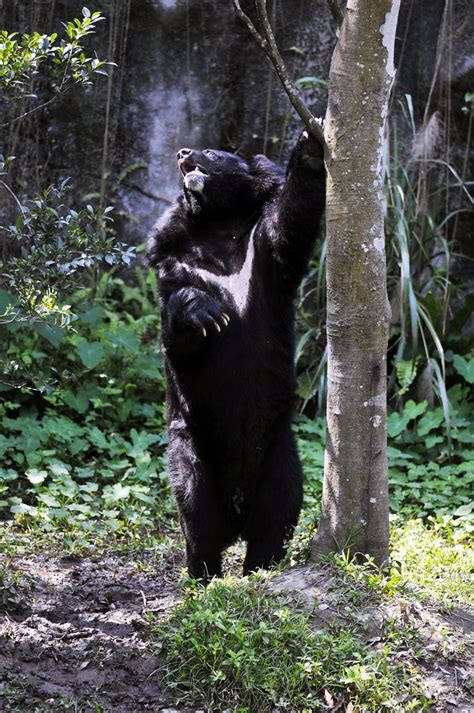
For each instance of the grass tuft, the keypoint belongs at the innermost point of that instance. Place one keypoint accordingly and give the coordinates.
(234, 646)
(437, 560)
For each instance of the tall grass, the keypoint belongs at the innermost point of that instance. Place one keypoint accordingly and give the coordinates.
(420, 248)
(419, 221)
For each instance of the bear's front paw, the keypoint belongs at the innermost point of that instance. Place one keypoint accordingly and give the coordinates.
(311, 151)
(207, 316)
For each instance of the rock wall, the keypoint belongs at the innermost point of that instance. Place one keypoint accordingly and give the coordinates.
(189, 74)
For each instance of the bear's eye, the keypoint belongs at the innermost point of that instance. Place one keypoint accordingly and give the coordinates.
(210, 154)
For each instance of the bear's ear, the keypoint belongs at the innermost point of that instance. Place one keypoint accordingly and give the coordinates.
(267, 176)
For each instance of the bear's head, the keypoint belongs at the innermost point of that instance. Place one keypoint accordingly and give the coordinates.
(218, 181)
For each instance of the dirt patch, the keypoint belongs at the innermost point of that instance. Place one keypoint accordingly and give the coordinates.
(79, 639)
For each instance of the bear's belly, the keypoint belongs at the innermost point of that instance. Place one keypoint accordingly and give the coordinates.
(230, 414)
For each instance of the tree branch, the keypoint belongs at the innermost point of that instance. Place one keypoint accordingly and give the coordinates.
(267, 43)
(336, 11)
(13, 195)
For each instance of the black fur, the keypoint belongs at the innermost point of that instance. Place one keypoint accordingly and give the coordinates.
(233, 461)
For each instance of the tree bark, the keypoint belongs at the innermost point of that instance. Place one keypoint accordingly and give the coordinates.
(355, 492)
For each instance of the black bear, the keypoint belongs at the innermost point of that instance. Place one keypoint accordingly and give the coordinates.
(230, 255)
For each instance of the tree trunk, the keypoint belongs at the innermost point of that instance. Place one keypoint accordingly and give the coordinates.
(355, 493)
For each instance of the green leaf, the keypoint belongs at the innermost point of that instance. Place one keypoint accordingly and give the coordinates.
(90, 353)
(406, 373)
(433, 441)
(97, 437)
(311, 82)
(23, 509)
(92, 315)
(59, 469)
(36, 476)
(124, 338)
(6, 299)
(464, 510)
(49, 500)
(9, 474)
(464, 367)
(79, 402)
(117, 491)
(413, 410)
(431, 419)
(297, 50)
(52, 333)
(396, 423)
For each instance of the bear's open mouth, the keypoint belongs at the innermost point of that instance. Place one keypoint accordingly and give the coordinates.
(186, 166)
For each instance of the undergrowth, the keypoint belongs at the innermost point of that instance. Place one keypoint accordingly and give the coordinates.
(431, 471)
(233, 646)
(437, 560)
(83, 441)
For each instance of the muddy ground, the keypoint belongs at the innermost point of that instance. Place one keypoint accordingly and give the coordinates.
(78, 638)
(81, 640)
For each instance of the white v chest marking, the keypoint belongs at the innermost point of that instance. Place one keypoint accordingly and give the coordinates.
(237, 284)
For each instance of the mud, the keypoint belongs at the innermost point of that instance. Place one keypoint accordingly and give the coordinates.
(79, 639)
(76, 635)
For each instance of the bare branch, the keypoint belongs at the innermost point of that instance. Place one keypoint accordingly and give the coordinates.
(251, 27)
(30, 111)
(268, 45)
(13, 195)
(336, 11)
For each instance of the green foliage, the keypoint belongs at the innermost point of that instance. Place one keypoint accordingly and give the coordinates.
(420, 250)
(429, 473)
(438, 560)
(11, 586)
(311, 437)
(25, 59)
(50, 244)
(89, 451)
(464, 367)
(311, 83)
(363, 571)
(235, 646)
(406, 373)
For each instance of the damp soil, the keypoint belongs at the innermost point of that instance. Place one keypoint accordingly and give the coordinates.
(78, 639)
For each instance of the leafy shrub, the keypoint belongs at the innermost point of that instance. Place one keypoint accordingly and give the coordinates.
(430, 471)
(49, 245)
(420, 234)
(24, 60)
(89, 448)
(233, 646)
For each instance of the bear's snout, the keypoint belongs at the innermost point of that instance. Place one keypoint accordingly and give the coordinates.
(183, 153)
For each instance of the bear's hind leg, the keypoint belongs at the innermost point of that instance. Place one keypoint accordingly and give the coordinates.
(277, 504)
(206, 530)
(206, 535)
(203, 565)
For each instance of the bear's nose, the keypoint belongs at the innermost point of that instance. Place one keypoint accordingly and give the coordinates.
(183, 153)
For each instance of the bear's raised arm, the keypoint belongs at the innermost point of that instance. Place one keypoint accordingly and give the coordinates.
(293, 220)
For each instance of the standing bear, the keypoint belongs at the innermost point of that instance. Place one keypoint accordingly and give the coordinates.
(230, 255)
